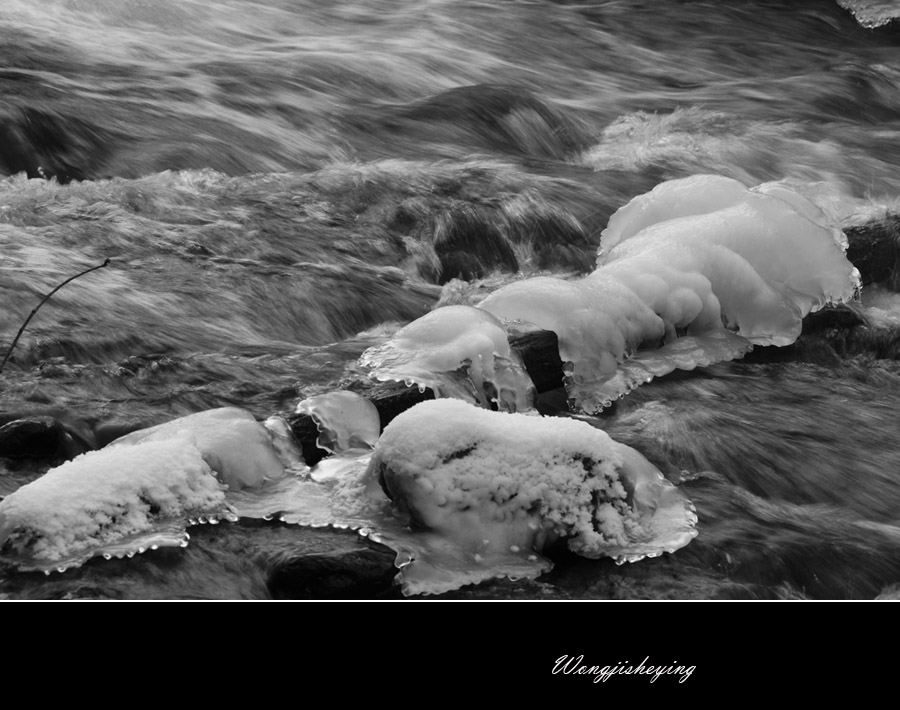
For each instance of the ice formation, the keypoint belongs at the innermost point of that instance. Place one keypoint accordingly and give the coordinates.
(237, 448)
(457, 351)
(348, 424)
(284, 444)
(346, 421)
(696, 271)
(99, 499)
(141, 491)
(484, 492)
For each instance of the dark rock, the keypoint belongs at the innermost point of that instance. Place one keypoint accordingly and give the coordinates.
(470, 241)
(505, 117)
(107, 432)
(394, 398)
(506, 589)
(874, 249)
(16, 155)
(306, 432)
(363, 573)
(540, 354)
(50, 145)
(389, 398)
(198, 249)
(38, 438)
(842, 316)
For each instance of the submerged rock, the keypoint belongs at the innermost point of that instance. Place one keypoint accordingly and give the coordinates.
(50, 145)
(353, 571)
(43, 438)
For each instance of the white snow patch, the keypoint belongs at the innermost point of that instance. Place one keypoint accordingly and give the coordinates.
(237, 448)
(103, 496)
(490, 481)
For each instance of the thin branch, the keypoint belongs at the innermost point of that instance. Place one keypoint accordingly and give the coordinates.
(36, 308)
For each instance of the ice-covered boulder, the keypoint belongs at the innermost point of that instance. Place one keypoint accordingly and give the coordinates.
(347, 422)
(500, 487)
(97, 501)
(139, 492)
(694, 272)
(237, 448)
(780, 235)
(457, 351)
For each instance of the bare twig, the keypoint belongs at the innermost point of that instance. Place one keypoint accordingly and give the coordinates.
(43, 301)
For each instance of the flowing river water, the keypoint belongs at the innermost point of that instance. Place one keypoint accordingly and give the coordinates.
(281, 184)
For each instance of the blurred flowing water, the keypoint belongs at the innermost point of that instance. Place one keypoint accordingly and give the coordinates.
(280, 184)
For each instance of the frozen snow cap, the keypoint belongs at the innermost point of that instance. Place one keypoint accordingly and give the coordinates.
(457, 351)
(694, 272)
(498, 487)
(142, 490)
(238, 449)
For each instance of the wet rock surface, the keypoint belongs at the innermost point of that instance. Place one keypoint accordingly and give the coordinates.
(39, 438)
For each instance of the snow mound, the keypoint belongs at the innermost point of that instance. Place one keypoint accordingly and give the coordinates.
(101, 497)
(237, 448)
(141, 491)
(500, 487)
